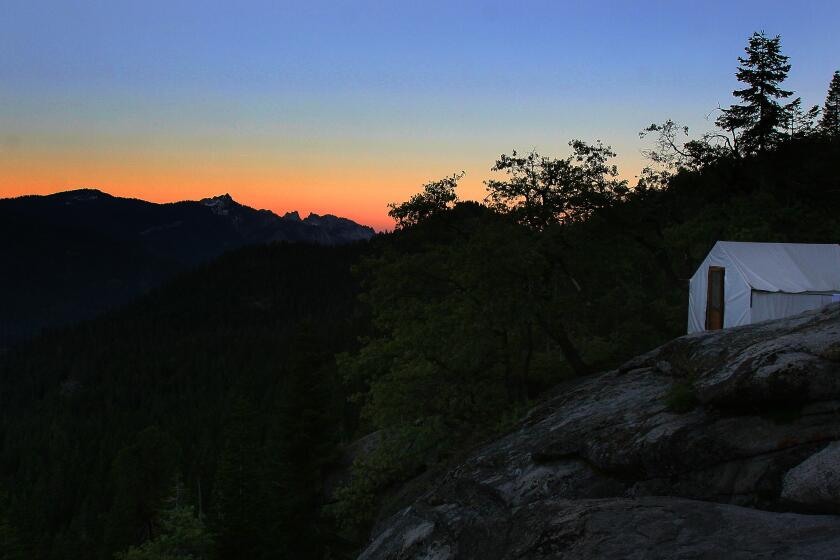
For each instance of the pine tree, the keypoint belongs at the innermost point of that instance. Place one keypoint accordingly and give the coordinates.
(239, 512)
(142, 473)
(182, 535)
(830, 123)
(302, 443)
(800, 123)
(11, 547)
(761, 115)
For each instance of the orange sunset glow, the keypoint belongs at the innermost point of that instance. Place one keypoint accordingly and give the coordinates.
(349, 185)
(358, 192)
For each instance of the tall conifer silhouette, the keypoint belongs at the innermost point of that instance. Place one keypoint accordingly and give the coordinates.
(830, 123)
(761, 115)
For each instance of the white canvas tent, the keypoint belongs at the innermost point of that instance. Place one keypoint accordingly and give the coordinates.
(741, 283)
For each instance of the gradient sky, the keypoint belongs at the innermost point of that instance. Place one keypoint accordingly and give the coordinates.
(342, 107)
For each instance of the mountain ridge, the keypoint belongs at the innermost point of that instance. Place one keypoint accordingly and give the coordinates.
(80, 252)
(220, 205)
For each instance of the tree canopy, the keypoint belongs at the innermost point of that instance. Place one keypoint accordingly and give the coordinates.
(540, 191)
(436, 196)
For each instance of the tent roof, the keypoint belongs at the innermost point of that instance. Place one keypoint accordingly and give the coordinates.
(785, 267)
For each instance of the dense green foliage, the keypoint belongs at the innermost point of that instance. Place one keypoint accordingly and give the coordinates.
(242, 382)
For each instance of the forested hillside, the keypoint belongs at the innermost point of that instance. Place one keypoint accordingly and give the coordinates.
(475, 316)
(204, 420)
(221, 384)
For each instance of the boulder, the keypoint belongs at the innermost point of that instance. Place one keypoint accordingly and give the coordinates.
(815, 482)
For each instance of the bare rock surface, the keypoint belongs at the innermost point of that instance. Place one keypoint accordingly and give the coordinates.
(816, 481)
(608, 468)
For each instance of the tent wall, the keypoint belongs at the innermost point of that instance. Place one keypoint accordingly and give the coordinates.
(793, 268)
(766, 281)
(777, 305)
(736, 293)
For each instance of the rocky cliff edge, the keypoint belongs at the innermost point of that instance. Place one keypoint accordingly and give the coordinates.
(714, 445)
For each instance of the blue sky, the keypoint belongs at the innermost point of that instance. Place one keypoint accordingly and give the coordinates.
(291, 104)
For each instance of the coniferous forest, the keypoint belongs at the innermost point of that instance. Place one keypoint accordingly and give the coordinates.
(277, 401)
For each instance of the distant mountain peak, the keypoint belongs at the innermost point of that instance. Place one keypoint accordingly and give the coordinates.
(220, 204)
(82, 195)
(216, 200)
(293, 215)
(318, 219)
(82, 190)
(345, 227)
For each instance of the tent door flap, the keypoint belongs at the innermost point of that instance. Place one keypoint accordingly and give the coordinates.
(715, 298)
